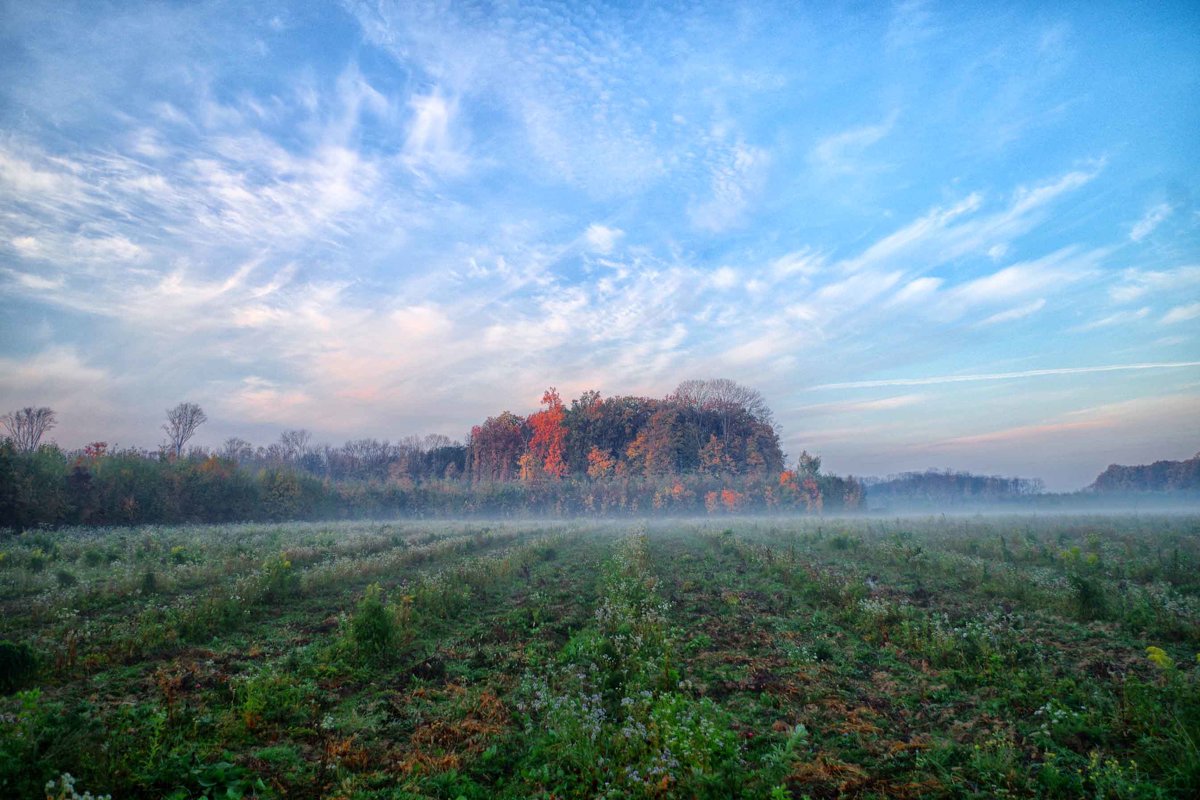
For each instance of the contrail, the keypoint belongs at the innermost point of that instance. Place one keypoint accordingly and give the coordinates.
(1004, 376)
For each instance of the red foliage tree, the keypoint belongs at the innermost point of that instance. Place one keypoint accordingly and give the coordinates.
(548, 445)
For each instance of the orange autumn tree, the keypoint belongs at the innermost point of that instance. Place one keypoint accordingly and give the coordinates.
(600, 464)
(545, 455)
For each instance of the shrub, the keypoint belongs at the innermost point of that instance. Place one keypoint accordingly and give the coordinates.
(1088, 595)
(279, 579)
(18, 666)
(149, 582)
(271, 697)
(373, 629)
(37, 560)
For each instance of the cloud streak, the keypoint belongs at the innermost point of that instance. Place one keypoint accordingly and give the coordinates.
(1005, 376)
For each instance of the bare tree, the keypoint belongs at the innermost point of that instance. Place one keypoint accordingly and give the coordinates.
(28, 426)
(237, 449)
(725, 397)
(295, 444)
(182, 421)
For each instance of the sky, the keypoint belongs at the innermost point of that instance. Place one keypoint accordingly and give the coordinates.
(932, 235)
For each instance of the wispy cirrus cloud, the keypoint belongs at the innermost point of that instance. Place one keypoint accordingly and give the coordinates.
(856, 406)
(1181, 314)
(843, 153)
(1149, 221)
(1020, 312)
(1005, 376)
(1118, 318)
(1135, 284)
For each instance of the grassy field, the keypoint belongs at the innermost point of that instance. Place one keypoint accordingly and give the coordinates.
(937, 657)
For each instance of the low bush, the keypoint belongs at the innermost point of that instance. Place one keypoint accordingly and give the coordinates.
(18, 666)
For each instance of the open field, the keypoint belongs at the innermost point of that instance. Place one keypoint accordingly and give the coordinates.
(936, 657)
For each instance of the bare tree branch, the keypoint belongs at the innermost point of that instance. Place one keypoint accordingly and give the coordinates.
(28, 426)
(182, 422)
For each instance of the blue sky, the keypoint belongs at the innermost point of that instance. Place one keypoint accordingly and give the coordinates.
(919, 229)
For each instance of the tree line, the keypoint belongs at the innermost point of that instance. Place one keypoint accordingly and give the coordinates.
(1161, 476)
(709, 447)
(947, 488)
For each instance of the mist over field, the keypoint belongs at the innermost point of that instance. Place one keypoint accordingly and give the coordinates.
(540, 400)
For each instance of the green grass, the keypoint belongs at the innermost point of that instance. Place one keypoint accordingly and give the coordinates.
(940, 657)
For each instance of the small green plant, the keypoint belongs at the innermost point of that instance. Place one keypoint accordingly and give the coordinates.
(271, 697)
(222, 781)
(37, 560)
(64, 789)
(374, 629)
(1160, 659)
(279, 579)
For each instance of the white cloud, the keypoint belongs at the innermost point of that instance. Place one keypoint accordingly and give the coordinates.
(27, 246)
(841, 153)
(1138, 283)
(916, 236)
(30, 183)
(805, 262)
(59, 377)
(431, 141)
(109, 248)
(1119, 318)
(1181, 314)
(1149, 221)
(601, 238)
(736, 180)
(1020, 312)
(917, 290)
(1054, 271)
(1004, 376)
(38, 283)
(909, 26)
(724, 278)
(857, 406)
(945, 234)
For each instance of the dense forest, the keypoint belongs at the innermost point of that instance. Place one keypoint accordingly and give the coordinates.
(1161, 476)
(709, 447)
(945, 488)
